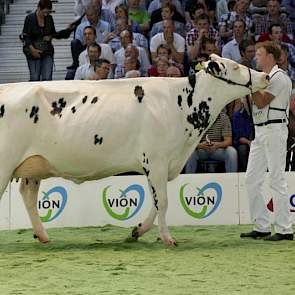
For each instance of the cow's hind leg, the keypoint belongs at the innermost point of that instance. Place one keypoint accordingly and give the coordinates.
(29, 191)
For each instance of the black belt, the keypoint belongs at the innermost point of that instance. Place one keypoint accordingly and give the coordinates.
(275, 121)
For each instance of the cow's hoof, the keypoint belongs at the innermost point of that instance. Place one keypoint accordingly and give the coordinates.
(134, 236)
(44, 240)
(169, 241)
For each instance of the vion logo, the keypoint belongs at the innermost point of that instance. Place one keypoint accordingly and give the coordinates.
(52, 204)
(270, 205)
(200, 203)
(123, 204)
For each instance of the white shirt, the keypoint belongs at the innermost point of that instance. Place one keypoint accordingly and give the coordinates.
(280, 87)
(84, 72)
(106, 53)
(158, 39)
(231, 50)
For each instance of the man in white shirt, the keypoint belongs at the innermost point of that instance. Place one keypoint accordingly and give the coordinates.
(175, 42)
(268, 149)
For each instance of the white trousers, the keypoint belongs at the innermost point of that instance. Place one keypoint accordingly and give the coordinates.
(268, 151)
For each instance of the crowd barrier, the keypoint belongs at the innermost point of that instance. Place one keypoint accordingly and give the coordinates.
(199, 199)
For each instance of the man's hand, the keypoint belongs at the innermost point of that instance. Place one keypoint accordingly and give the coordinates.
(36, 53)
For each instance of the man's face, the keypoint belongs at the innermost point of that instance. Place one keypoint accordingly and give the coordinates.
(126, 39)
(239, 29)
(129, 65)
(131, 52)
(261, 58)
(166, 13)
(276, 33)
(283, 58)
(133, 3)
(203, 24)
(163, 52)
(168, 28)
(273, 7)
(243, 5)
(121, 25)
(93, 53)
(89, 36)
(103, 71)
(92, 17)
(250, 52)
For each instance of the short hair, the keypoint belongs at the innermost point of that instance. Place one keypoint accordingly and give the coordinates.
(123, 33)
(195, 7)
(42, 4)
(170, 6)
(98, 63)
(271, 48)
(91, 28)
(202, 17)
(244, 44)
(165, 46)
(95, 45)
(132, 74)
(123, 7)
(240, 20)
(131, 59)
(273, 25)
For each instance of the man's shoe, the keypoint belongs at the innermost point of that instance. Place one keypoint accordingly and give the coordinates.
(72, 67)
(280, 237)
(254, 234)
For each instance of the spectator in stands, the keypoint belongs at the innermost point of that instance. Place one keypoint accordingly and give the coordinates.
(194, 11)
(227, 20)
(156, 4)
(132, 74)
(138, 15)
(262, 22)
(243, 134)
(284, 63)
(162, 65)
(130, 63)
(93, 18)
(175, 42)
(128, 48)
(105, 13)
(174, 72)
(275, 33)
(38, 31)
(247, 50)
(201, 30)
(113, 38)
(86, 71)
(223, 7)
(215, 145)
(290, 160)
(231, 49)
(290, 7)
(90, 38)
(111, 4)
(101, 69)
(209, 5)
(167, 13)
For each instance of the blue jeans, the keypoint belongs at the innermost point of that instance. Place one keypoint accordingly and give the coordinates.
(228, 156)
(41, 69)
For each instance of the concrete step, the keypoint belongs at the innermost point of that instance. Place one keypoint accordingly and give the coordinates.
(20, 18)
(25, 9)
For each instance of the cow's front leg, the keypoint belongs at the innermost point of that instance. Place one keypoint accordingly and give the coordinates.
(158, 187)
(29, 191)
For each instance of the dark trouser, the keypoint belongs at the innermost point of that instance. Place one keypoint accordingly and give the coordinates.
(243, 154)
(76, 48)
(41, 69)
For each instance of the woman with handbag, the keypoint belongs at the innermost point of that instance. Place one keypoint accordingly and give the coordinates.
(38, 32)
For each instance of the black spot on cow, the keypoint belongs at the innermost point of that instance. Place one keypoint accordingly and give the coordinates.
(57, 107)
(26, 110)
(209, 98)
(179, 100)
(27, 181)
(34, 114)
(192, 82)
(146, 171)
(2, 111)
(139, 92)
(73, 109)
(154, 194)
(84, 99)
(94, 100)
(200, 118)
(97, 140)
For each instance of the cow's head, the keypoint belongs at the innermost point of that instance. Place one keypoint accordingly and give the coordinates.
(235, 74)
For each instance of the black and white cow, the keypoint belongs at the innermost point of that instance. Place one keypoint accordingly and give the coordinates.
(86, 130)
